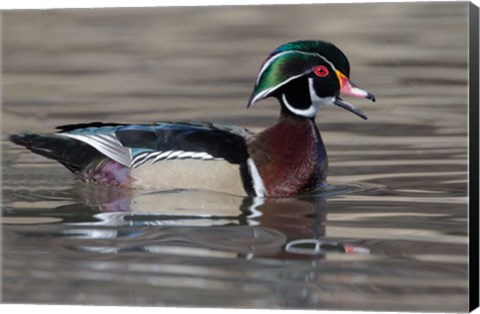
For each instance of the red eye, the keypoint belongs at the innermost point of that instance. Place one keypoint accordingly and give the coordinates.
(321, 71)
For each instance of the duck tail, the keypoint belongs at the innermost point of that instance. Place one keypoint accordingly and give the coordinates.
(76, 156)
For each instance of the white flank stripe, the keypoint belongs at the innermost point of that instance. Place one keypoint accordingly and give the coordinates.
(257, 180)
(185, 155)
(139, 163)
(139, 160)
(139, 157)
(202, 155)
(149, 156)
(175, 154)
(163, 155)
(169, 155)
(155, 154)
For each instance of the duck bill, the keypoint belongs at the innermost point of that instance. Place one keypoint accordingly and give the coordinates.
(349, 89)
(348, 106)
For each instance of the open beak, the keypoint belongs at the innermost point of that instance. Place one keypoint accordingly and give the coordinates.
(349, 89)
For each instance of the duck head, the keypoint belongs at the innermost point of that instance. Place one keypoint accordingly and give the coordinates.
(305, 75)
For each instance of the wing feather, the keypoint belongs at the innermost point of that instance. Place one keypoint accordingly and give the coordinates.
(136, 144)
(107, 144)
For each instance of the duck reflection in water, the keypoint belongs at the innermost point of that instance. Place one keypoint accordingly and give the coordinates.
(206, 223)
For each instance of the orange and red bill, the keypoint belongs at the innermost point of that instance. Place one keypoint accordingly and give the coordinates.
(349, 89)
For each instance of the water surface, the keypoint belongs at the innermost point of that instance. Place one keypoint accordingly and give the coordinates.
(389, 233)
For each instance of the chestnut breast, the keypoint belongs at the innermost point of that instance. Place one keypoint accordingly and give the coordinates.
(290, 156)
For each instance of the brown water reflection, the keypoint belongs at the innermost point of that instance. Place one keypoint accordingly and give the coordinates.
(389, 233)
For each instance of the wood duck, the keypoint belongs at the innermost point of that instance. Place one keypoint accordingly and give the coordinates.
(286, 159)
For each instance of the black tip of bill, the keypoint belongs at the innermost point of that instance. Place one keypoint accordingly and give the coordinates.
(371, 97)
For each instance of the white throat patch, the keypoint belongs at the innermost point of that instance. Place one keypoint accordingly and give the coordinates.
(317, 101)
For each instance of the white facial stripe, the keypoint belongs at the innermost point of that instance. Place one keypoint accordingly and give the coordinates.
(257, 181)
(272, 89)
(267, 64)
(327, 61)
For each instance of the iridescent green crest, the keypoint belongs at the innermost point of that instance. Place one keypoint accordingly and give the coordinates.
(293, 60)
